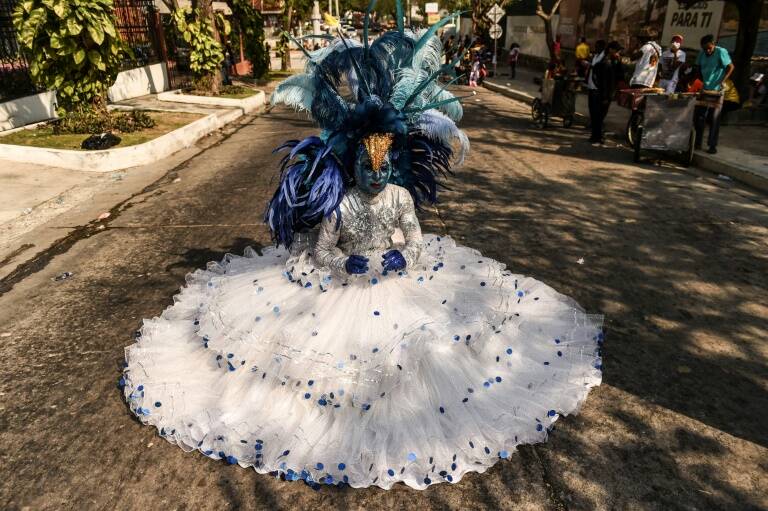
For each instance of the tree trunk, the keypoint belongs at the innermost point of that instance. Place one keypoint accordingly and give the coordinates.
(548, 37)
(285, 61)
(749, 24)
(210, 83)
(649, 4)
(547, 19)
(477, 17)
(609, 21)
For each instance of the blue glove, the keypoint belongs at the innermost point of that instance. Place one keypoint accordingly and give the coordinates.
(393, 261)
(356, 265)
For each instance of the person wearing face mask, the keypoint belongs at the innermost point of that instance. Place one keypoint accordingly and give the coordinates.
(370, 213)
(671, 61)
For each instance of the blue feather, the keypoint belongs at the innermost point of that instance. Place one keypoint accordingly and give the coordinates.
(311, 188)
(297, 92)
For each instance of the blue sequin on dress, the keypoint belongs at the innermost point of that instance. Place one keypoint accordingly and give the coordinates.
(281, 362)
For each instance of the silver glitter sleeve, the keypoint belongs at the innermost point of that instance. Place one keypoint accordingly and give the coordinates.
(409, 224)
(327, 253)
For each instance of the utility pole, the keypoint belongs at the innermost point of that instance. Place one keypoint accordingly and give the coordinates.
(408, 12)
(316, 18)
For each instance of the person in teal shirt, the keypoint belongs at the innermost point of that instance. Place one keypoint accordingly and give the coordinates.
(715, 67)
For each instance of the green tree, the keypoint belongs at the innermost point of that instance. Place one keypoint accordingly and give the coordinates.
(546, 17)
(73, 47)
(201, 28)
(248, 27)
(283, 43)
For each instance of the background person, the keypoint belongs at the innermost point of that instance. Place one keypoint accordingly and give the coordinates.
(514, 54)
(582, 57)
(449, 49)
(714, 67)
(474, 75)
(671, 61)
(647, 62)
(605, 73)
(556, 67)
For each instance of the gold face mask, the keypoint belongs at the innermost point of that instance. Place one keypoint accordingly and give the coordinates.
(378, 146)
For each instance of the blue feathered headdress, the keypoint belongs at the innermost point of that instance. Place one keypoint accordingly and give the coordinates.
(352, 90)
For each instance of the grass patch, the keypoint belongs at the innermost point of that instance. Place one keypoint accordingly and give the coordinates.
(277, 75)
(239, 95)
(165, 122)
(227, 91)
(270, 77)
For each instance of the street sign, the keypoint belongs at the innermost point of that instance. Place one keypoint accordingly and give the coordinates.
(431, 8)
(692, 23)
(495, 13)
(495, 31)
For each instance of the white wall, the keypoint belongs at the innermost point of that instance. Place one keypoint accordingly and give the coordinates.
(528, 32)
(140, 82)
(27, 110)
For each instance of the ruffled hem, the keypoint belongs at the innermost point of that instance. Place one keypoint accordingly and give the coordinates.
(485, 361)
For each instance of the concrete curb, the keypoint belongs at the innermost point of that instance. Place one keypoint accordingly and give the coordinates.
(509, 92)
(119, 158)
(704, 161)
(523, 97)
(247, 105)
(733, 170)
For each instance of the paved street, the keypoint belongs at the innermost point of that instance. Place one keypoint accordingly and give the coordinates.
(676, 260)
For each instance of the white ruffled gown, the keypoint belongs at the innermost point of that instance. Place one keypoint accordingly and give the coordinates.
(284, 363)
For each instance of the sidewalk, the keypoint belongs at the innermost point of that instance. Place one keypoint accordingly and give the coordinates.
(742, 151)
(33, 196)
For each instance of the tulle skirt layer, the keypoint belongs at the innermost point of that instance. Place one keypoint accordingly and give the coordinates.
(417, 376)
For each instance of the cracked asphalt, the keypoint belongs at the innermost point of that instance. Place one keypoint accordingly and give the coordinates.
(675, 259)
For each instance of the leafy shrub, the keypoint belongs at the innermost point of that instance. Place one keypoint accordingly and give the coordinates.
(92, 121)
(250, 24)
(206, 53)
(236, 89)
(73, 47)
(135, 120)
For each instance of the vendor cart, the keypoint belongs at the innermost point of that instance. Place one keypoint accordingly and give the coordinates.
(558, 99)
(666, 127)
(634, 100)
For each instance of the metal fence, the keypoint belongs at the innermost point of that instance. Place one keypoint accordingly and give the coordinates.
(150, 37)
(137, 22)
(14, 70)
(177, 55)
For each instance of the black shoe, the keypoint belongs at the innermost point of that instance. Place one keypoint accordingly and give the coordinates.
(712, 150)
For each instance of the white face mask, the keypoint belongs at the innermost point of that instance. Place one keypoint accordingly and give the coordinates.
(675, 45)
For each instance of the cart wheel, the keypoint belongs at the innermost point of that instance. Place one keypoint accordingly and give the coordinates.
(638, 133)
(634, 121)
(543, 119)
(567, 121)
(536, 109)
(688, 155)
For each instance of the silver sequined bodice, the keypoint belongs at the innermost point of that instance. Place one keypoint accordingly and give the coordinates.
(368, 224)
